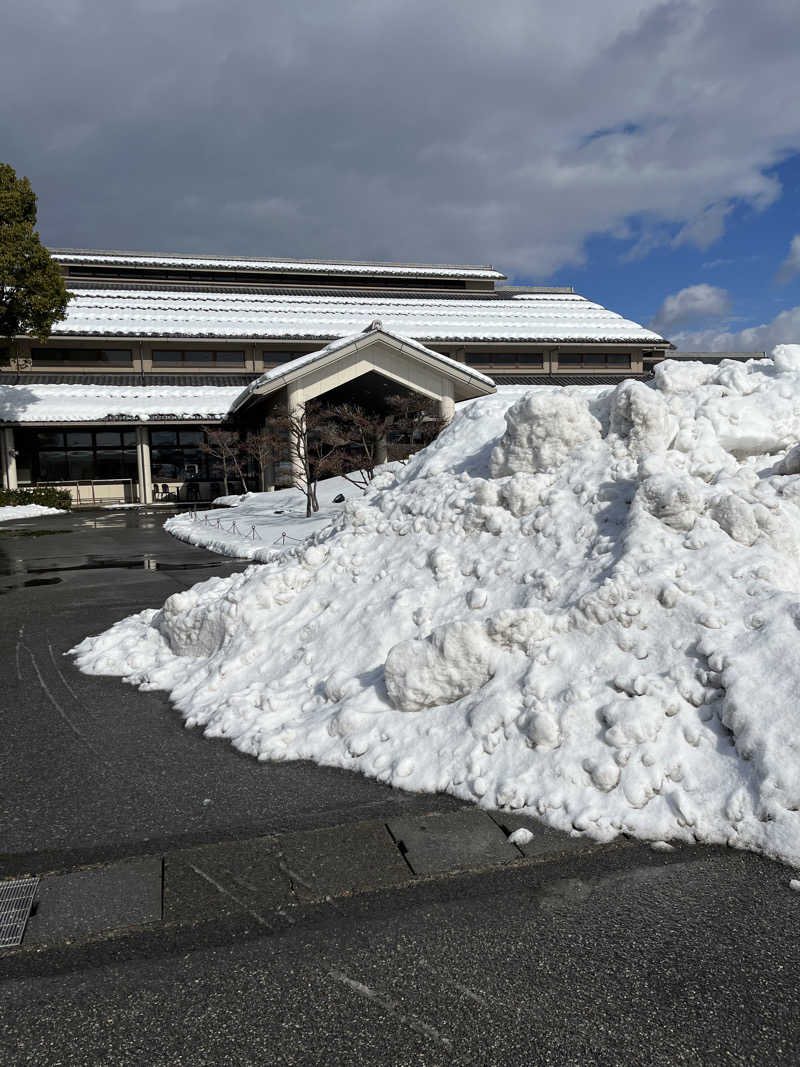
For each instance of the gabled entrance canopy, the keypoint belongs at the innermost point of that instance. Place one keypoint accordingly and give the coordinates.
(396, 358)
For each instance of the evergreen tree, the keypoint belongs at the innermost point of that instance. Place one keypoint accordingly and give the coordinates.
(32, 291)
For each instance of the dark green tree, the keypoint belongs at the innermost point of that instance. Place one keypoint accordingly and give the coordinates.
(32, 291)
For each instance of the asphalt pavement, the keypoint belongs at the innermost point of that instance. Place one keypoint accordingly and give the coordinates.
(198, 907)
(93, 769)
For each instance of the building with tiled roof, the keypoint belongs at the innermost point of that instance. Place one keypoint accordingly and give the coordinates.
(162, 324)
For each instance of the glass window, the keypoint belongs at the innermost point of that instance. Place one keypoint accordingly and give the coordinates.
(79, 440)
(80, 455)
(529, 359)
(197, 357)
(166, 463)
(80, 463)
(109, 463)
(53, 466)
(50, 439)
(163, 437)
(107, 439)
(114, 356)
(594, 359)
(192, 437)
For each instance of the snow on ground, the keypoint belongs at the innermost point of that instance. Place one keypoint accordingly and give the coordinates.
(27, 511)
(279, 519)
(584, 604)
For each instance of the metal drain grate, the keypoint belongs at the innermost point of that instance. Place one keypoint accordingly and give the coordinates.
(16, 901)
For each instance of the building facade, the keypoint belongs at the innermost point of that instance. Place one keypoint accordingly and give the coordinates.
(155, 349)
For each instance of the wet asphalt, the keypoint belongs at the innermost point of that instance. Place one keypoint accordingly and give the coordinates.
(615, 956)
(93, 769)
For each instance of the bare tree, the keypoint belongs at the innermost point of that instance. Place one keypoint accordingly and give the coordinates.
(316, 441)
(303, 438)
(263, 448)
(225, 446)
(415, 420)
(360, 444)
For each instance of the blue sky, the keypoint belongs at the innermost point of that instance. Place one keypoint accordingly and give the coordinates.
(645, 151)
(745, 261)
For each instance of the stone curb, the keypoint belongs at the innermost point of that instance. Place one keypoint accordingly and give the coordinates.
(261, 885)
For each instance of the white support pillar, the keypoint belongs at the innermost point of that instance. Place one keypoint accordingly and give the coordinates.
(447, 403)
(295, 402)
(9, 458)
(143, 465)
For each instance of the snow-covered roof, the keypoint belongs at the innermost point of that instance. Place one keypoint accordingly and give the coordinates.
(278, 376)
(538, 318)
(67, 256)
(107, 403)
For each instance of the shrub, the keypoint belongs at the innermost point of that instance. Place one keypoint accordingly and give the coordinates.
(46, 495)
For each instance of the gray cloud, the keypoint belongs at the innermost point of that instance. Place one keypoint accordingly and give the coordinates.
(695, 302)
(791, 265)
(396, 129)
(783, 329)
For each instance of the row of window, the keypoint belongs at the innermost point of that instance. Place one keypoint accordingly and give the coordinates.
(506, 359)
(583, 360)
(81, 455)
(593, 359)
(200, 357)
(172, 357)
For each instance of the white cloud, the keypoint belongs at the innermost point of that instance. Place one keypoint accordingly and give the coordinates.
(705, 229)
(783, 330)
(791, 265)
(399, 129)
(695, 302)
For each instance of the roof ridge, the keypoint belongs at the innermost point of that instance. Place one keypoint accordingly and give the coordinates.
(315, 261)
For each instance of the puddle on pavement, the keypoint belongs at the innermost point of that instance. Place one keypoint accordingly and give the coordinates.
(32, 533)
(147, 563)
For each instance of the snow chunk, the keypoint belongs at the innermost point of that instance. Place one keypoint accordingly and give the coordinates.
(448, 664)
(641, 416)
(786, 358)
(542, 431)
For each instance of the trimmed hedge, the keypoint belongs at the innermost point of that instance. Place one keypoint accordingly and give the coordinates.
(46, 495)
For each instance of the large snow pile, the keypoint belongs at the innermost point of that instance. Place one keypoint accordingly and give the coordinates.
(581, 603)
(255, 526)
(26, 511)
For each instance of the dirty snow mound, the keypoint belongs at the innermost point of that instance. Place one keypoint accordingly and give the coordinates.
(26, 511)
(581, 603)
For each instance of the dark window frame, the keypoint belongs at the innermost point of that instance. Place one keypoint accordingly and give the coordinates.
(511, 360)
(187, 357)
(66, 454)
(599, 361)
(83, 355)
